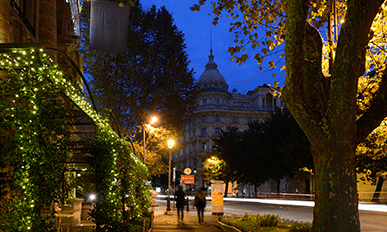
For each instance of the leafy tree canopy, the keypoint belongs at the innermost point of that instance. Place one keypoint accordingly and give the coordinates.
(371, 155)
(227, 149)
(152, 77)
(214, 169)
(224, 163)
(157, 150)
(278, 146)
(371, 159)
(270, 149)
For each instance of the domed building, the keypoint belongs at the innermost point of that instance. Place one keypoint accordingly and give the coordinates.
(211, 79)
(216, 109)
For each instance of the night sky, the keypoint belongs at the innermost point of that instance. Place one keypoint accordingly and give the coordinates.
(197, 27)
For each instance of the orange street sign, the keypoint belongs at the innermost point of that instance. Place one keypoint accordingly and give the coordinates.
(187, 179)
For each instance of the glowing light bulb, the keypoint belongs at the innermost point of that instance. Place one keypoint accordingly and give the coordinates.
(92, 197)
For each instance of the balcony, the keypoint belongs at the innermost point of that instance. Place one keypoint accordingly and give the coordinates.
(203, 138)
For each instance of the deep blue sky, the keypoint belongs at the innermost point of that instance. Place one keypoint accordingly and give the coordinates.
(197, 27)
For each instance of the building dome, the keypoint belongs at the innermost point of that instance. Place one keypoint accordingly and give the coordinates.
(211, 79)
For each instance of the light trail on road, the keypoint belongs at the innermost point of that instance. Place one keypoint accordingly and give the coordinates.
(362, 206)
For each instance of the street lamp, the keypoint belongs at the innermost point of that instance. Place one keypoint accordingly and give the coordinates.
(171, 142)
(153, 120)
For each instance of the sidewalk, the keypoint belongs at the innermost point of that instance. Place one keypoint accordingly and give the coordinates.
(168, 222)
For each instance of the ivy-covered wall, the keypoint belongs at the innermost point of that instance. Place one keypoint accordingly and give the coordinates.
(37, 112)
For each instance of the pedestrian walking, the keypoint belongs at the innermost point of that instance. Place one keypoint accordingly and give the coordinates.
(200, 204)
(180, 200)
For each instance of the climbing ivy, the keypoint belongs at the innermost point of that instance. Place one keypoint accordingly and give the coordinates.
(123, 195)
(38, 107)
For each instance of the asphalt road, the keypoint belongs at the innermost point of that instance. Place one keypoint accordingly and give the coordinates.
(371, 221)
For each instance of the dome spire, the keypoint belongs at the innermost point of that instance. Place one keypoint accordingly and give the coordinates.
(211, 64)
(211, 79)
(211, 43)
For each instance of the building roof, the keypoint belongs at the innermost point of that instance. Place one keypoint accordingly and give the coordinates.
(211, 77)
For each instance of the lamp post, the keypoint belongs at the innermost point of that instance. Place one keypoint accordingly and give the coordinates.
(153, 120)
(171, 142)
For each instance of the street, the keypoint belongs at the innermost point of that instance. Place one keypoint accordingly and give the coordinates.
(371, 221)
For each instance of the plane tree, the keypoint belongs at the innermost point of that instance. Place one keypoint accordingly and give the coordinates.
(323, 79)
(151, 77)
(215, 168)
(227, 158)
(278, 147)
(271, 149)
(237, 157)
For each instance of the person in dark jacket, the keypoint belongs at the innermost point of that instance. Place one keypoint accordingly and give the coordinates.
(200, 204)
(180, 201)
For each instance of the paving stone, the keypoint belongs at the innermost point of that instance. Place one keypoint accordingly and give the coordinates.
(168, 221)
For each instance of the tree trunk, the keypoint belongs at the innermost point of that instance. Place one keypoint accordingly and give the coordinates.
(375, 197)
(336, 203)
(325, 106)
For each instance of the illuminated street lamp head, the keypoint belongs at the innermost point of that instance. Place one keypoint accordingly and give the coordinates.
(153, 120)
(171, 142)
(92, 197)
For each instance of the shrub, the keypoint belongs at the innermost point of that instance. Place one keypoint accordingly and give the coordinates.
(269, 220)
(298, 227)
(246, 217)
